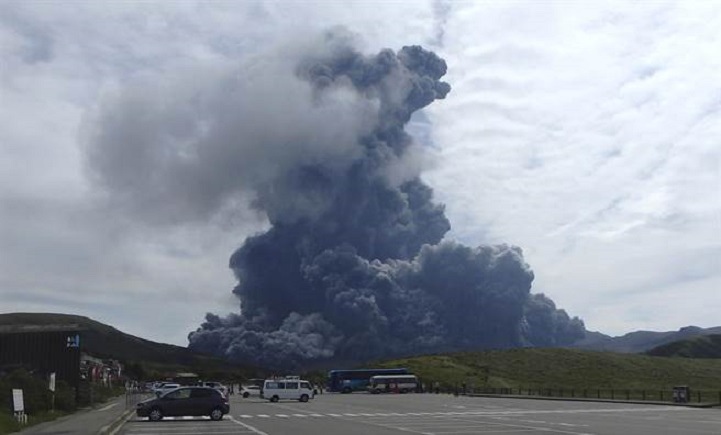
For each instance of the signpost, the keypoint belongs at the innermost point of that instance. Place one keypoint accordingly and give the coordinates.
(51, 387)
(19, 406)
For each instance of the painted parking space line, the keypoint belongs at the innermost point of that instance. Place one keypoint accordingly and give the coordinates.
(443, 415)
(248, 427)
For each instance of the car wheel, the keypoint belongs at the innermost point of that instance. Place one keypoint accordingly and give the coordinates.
(216, 414)
(155, 414)
(347, 390)
(274, 399)
(246, 395)
(304, 398)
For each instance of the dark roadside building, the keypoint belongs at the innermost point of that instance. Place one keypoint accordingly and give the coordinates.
(42, 350)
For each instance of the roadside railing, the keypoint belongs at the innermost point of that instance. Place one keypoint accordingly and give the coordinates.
(661, 395)
(671, 395)
(134, 396)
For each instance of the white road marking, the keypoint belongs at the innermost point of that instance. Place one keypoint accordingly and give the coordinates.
(247, 426)
(105, 408)
(246, 416)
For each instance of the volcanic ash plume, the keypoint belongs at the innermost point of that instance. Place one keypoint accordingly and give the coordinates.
(353, 266)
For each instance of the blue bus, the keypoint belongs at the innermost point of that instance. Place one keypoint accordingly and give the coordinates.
(347, 381)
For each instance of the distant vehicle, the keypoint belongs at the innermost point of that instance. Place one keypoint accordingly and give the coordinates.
(291, 389)
(217, 385)
(250, 391)
(191, 401)
(255, 381)
(164, 387)
(347, 381)
(393, 384)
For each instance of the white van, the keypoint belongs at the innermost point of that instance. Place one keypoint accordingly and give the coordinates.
(291, 389)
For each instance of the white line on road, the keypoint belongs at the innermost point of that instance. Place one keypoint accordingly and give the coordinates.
(105, 408)
(247, 426)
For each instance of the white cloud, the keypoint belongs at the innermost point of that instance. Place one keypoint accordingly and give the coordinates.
(589, 137)
(586, 135)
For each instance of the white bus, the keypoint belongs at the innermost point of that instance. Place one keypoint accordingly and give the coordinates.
(393, 384)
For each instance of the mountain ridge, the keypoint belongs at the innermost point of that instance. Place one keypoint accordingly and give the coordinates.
(105, 341)
(639, 341)
(127, 347)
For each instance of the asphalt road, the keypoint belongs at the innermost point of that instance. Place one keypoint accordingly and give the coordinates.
(432, 414)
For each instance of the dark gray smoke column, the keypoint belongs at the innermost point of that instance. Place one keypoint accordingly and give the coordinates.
(313, 137)
(353, 265)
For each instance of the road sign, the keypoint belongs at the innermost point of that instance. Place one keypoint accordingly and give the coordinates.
(51, 387)
(18, 404)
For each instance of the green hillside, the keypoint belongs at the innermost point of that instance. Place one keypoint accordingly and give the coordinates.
(708, 346)
(103, 341)
(563, 368)
(639, 341)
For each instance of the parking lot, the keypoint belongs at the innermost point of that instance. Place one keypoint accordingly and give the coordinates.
(433, 414)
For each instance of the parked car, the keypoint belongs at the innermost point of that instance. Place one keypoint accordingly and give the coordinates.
(217, 385)
(250, 391)
(164, 387)
(191, 401)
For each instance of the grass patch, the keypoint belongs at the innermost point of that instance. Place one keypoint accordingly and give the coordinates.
(563, 368)
(8, 424)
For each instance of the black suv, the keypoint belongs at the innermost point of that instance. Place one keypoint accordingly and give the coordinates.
(193, 401)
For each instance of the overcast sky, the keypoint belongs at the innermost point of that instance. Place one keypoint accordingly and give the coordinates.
(587, 135)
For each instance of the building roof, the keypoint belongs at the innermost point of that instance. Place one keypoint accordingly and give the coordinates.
(16, 329)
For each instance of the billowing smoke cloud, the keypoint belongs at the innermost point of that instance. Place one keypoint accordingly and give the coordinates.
(353, 265)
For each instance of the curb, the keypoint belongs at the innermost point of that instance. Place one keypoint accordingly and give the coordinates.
(112, 427)
(590, 399)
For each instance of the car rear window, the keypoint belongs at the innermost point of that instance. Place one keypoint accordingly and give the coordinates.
(183, 393)
(202, 392)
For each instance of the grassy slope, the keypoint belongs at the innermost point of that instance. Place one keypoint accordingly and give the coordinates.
(639, 341)
(708, 346)
(564, 368)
